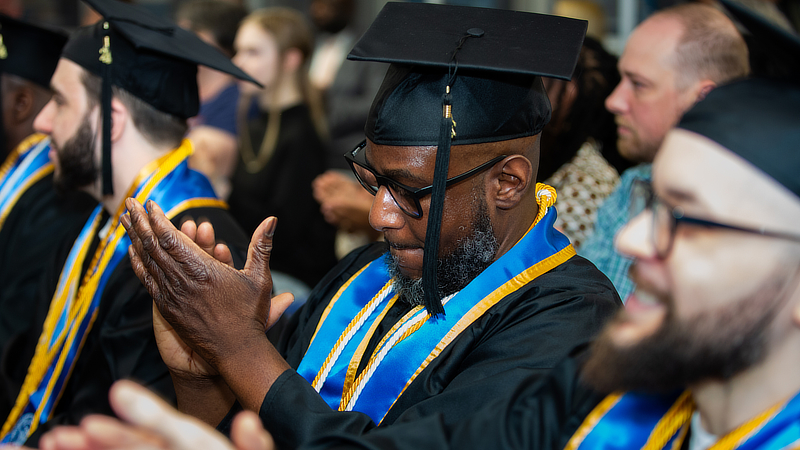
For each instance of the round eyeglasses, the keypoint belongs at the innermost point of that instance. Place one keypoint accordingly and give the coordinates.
(406, 197)
(666, 219)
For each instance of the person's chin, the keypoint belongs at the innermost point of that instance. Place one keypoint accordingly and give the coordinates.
(409, 261)
(644, 314)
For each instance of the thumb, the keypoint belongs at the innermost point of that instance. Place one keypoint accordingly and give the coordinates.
(247, 433)
(279, 304)
(260, 248)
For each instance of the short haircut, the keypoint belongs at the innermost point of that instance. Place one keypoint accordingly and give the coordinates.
(219, 18)
(159, 128)
(710, 48)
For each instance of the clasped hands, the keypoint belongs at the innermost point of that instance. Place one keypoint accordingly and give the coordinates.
(213, 308)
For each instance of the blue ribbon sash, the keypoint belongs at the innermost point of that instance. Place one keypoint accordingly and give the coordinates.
(349, 321)
(650, 421)
(26, 165)
(170, 183)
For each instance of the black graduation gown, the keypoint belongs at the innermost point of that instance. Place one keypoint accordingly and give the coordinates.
(525, 335)
(36, 227)
(121, 343)
(542, 413)
(304, 242)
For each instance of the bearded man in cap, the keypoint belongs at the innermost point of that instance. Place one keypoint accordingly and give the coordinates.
(33, 217)
(398, 331)
(122, 91)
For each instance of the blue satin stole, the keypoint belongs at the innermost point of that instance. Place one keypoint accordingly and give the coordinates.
(374, 393)
(178, 189)
(21, 170)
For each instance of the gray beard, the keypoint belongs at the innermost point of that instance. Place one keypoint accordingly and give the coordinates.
(473, 254)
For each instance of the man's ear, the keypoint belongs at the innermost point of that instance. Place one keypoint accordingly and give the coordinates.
(119, 118)
(511, 178)
(704, 88)
(23, 101)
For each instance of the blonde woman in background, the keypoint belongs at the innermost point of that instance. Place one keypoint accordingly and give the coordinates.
(281, 131)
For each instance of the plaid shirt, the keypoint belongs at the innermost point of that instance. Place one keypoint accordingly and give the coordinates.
(612, 215)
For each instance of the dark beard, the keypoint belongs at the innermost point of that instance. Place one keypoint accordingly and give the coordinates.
(76, 160)
(473, 254)
(714, 345)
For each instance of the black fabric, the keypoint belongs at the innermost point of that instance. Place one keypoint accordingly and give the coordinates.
(40, 222)
(491, 59)
(32, 52)
(541, 413)
(756, 119)
(774, 52)
(502, 41)
(120, 344)
(523, 336)
(408, 107)
(151, 57)
(304, 242)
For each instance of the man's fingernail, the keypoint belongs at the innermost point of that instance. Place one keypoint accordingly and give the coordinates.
(125, 220)
(270, 231)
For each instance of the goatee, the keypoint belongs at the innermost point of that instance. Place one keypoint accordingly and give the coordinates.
(472, 255)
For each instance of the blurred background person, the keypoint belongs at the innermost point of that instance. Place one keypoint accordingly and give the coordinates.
(579, 151)
(213, 131)
(281, 127)
(348, 87)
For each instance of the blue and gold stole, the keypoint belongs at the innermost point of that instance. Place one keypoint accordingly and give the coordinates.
(656, 422)
(169, 182)
(24, 166)
(350, 319)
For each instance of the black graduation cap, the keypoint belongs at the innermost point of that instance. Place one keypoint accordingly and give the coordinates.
(146, 55)
(759, 118)
(462, 75)
(773, 51)
(29, 51)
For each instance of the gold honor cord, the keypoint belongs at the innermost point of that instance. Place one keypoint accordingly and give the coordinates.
(45, 354)
(38, 175)
(333, 301)
(546, 197)
(676, 420)
(355, 324)
(27, 144)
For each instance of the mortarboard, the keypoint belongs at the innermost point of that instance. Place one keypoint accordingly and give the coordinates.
(147, 56)
(462, 75)
(29, 51)
(758, 118)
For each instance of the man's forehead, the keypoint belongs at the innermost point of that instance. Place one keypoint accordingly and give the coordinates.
(654, 41)
(703, 177)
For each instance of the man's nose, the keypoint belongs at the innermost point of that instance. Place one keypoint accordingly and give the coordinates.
(384, 213)
(44, 120)
(635, 239)
(617, 103)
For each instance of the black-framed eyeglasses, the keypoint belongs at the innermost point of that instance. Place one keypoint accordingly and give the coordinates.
(406, 197)
(666, 219)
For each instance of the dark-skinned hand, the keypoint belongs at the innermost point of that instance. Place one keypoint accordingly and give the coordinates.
(215, 309)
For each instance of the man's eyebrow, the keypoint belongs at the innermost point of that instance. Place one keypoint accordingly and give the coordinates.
(55, 90)
(398, 174)
(405, 175)
(677, 195)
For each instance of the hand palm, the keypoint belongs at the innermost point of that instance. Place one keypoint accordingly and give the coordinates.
(179, 357)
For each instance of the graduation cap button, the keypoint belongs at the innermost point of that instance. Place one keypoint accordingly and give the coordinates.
(475, 32)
